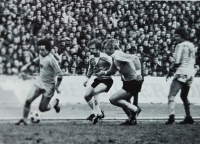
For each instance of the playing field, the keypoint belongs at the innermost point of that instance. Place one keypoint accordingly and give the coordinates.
(69, 126)
(83, 132)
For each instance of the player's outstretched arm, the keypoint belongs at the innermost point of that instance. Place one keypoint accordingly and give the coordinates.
(109, 72)
(27, 65)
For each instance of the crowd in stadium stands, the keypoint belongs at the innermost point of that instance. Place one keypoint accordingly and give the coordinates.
(143, 28)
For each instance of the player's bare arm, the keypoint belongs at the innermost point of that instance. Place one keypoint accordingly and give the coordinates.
(27, 65)
(109, 72)
(58, 73)
(90, 72)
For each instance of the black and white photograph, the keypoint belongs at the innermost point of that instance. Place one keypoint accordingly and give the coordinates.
(99, 71)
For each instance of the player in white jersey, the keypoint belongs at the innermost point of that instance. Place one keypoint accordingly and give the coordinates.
(184, 74)
(97, 61)
(45, 84)
(129, 67)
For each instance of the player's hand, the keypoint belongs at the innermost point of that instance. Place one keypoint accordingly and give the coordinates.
(169, 75)
(139, 78)
(189, 81)
(57, 90)
(23, 68)
(85, 82)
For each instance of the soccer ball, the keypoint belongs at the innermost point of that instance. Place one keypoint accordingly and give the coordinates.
(35, 117)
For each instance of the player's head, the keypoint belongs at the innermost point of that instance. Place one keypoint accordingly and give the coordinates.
(180, 34)
(44, 46)
(94, 46)
(110, 46)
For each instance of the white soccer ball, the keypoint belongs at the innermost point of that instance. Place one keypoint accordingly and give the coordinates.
(35, 117)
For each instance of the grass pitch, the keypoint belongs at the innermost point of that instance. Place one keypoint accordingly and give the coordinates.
(84, 132)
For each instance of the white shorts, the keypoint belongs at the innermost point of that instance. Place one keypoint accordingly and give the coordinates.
(47, 89)
(188, 79)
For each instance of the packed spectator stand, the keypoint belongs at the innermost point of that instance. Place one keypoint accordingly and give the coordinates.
(144, 28)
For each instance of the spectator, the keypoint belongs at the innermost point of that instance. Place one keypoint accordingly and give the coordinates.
(71, 24)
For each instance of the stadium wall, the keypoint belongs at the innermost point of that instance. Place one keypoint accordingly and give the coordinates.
(155, 90)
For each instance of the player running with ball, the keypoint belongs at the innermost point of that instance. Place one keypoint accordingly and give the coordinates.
(45, 84)
(97, 61)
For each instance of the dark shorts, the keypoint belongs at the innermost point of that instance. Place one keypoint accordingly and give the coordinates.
(107, 82)
(132, 86)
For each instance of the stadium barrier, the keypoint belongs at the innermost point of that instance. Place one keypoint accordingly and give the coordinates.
(154, 90)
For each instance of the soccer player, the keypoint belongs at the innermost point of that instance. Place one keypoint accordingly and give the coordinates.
(184, 74)
(45, 84)
(129, 67)
(97, 61)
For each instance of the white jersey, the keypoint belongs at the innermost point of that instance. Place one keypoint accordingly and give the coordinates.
(91, 68)
(185, 56)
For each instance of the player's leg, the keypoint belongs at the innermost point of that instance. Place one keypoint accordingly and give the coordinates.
(128, 113)
(88, 96)
(119, 99)
(32, 95)
(184, 96)
(89, 93)
(45, 104)
(174, 89)
(46, 98)
(135, 99)
(135, 102)
(96, 107)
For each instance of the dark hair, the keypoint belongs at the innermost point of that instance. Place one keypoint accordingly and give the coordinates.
(46, 43)
(182, 32)
(96, 42)
(111, 43)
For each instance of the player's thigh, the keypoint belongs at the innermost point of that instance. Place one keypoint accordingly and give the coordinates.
(33, 94)
(120, 95)
(89, 92)
(175, 87)
(100, 88)
(47, 95)
(44, 102)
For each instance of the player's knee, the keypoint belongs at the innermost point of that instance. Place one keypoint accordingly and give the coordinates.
(95, 92)
(87, 97)
(170, 99)
(112, 100)
(186, 104)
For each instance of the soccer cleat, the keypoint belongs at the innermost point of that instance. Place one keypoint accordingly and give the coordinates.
(96, 119)
(187, 120)
(134, 122)
(91, 117)
(102, 115)
(127, 122)
(135, 114)
(21, 121)
(171, 119)
(56, 106)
